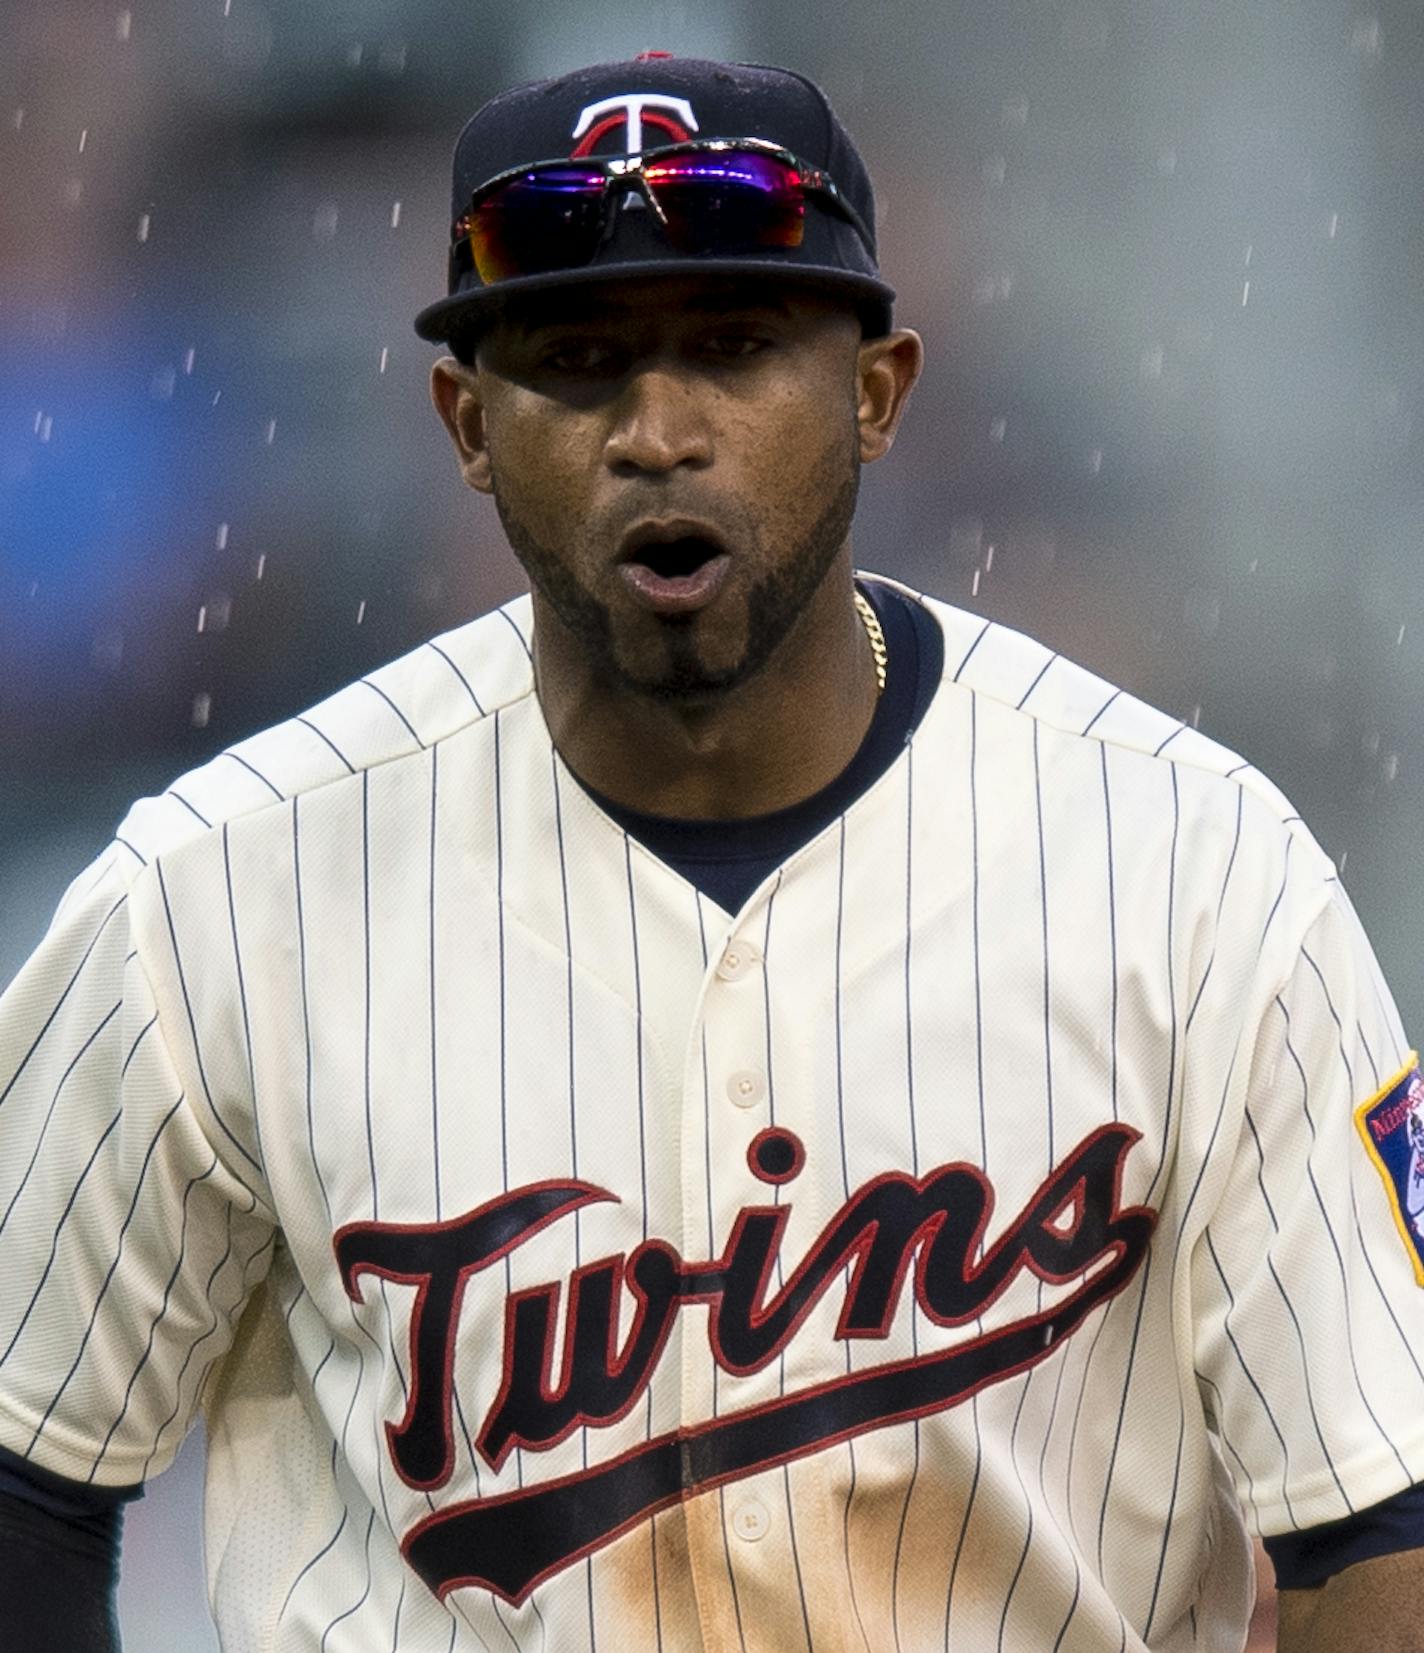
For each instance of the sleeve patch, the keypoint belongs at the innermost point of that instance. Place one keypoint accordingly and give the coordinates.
(1391, 1125)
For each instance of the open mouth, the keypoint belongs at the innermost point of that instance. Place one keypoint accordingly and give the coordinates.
(675, 559)
(674, 573)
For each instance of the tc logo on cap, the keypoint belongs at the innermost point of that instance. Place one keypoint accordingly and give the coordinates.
(633, 110)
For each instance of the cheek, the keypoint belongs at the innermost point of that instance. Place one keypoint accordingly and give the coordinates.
(800, 441)
(541, 468)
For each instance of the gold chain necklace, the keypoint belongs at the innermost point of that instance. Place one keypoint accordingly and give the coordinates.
(877, 640)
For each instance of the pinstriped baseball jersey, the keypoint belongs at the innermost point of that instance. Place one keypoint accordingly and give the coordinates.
(944, 1250)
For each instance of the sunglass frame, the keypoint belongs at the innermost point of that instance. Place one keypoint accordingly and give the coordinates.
(626, 171)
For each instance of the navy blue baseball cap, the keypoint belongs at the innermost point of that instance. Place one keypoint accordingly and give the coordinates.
(619, 109)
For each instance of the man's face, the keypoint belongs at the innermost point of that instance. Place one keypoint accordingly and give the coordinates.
(641, 431)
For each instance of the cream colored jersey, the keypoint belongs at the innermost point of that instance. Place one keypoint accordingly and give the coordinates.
(944, 1251)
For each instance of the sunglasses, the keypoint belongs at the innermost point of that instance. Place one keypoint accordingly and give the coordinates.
(712, 195)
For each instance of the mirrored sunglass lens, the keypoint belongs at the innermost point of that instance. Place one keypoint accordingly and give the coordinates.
(536, 222)
(725, 199)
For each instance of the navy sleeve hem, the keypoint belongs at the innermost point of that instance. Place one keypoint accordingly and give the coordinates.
(75, 1501)
(1306, 1560)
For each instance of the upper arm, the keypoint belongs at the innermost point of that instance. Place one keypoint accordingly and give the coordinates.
(1310, 1322)
(122, 1232)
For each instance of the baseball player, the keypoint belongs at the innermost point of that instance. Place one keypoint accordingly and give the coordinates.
(725, 1104)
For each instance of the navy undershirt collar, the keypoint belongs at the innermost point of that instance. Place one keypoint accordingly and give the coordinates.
(727, 860)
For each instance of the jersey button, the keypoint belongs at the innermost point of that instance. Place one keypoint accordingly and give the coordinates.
(738, 958)
(751, 1521)
(746, 1088)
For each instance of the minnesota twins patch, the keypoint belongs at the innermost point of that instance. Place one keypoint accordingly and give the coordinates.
(1392, 1125)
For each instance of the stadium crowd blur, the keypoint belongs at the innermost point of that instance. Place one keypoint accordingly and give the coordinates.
(1166, 258)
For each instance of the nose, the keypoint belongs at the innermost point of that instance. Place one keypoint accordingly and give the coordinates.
(660, 423)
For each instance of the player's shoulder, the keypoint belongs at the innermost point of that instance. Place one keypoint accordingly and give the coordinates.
(1031, 680)
(393, 713)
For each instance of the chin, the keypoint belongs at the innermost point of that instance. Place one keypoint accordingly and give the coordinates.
(690, 684)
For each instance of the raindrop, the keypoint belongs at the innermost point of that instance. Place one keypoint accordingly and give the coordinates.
(189, 358)
(998, 430)
(46, 427)
(361, 612)
(222, 536)
(34, 588)
(974, 588)
(1398, 642)
(1250, 248)
(261, 566)
(83, 139)
(1196, 717)
(17, 120)
(227, 8)
(217, 397)
(202, 710)
(203, 617)
(143, 224)
(1334, 225)
(123, 25)
(395, 214)
(385, 357)
(1245, 294)
(1391, 767)
(989, 560)
(271, 433)
(994, 287)
(1344, 857)
(1095, 461)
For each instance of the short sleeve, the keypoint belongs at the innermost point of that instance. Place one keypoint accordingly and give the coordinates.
(1309, 1320)
(127, 1246)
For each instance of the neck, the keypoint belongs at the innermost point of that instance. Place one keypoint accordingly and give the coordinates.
(762, 746)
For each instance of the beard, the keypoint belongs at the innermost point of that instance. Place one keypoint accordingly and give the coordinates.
(774, 603)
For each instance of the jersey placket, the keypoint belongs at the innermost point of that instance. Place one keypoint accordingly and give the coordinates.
(726, 1102)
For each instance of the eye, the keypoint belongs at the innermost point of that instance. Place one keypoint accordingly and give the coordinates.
(578, 356)
(735, 346)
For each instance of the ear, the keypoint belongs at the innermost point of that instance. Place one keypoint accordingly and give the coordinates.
(455, 390)
(888, 370)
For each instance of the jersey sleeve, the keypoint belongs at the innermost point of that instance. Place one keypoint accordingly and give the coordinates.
(1308, 1308)
(127, 1246)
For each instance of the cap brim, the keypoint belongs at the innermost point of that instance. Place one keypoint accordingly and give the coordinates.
(439, 321)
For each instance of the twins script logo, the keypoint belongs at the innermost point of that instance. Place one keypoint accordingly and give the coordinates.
(1073, 1231)
(634, 110)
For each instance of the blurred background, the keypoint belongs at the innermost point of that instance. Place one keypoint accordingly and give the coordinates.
(1166, 256)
